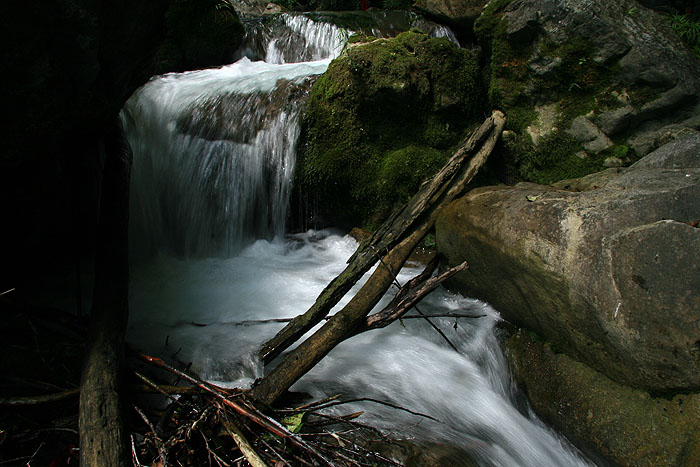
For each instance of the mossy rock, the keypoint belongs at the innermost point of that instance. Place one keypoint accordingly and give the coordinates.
(199, 34)
(380, 120)
(551, 62)
(626, 425)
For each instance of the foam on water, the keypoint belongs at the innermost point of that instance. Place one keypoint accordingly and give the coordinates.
(199, 308)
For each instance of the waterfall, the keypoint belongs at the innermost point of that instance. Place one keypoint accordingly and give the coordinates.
(213, 159)
(214, 149)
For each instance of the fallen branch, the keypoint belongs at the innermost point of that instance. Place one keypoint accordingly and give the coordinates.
(246, 448)
(250, 412)
(103, 439)
(376, 401)
(414, 294)
(442, 188)
(34, 400)
(399, 236)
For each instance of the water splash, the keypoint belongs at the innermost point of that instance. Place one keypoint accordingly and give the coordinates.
(213, 156)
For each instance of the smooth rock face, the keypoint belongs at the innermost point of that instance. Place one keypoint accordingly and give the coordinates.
(611, 275)
(628, 426)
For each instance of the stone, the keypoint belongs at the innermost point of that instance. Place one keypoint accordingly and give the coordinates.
(547, 116)
(679, 154)
(611, 162)
(592, 137)
(627, 426)
(617, 64)
(453, 9)
(272, 9)
(380, 121)
(610, 275)
(652, 138)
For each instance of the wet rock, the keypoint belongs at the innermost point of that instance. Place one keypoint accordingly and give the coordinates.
(627, 426)
(679, 154)
(453, 9)
(610, 275)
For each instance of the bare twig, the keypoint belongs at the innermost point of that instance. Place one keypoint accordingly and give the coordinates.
(156, 439)
(33, 400)
(253, 414)
(376, 401)
(246, 448)
(155, 386)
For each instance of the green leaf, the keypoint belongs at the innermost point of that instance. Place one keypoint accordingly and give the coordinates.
(294, 422)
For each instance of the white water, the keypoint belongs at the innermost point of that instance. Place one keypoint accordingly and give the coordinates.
(194, 307)
(213, 154)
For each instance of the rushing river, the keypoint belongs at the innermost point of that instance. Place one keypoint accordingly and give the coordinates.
(213, 158)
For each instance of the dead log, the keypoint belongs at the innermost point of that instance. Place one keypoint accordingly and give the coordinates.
(103, 440)
(438, 191)
(399, 236)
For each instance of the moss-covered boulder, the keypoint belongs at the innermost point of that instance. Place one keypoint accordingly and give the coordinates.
(199, 34)
(381, 120)
(585, 84)
(628, 426)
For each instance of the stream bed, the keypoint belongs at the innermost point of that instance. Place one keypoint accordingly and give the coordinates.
(213, 160)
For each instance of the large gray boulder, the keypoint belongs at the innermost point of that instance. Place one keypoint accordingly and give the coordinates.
(611, 275)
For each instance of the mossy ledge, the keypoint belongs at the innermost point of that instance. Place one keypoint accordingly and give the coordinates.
(383, 118)
(628, 426)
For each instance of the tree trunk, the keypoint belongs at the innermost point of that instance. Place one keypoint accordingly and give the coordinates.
(102, 435)
(402, 233)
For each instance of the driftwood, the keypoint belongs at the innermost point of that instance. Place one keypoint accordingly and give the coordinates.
(442, 188)
(407, 298)
(396, 239)
(103, 439)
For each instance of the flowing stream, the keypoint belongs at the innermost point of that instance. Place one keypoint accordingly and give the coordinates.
(213, 158)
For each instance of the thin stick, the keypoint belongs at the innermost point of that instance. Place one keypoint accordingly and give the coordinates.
(137, 462)
(218, 459)
(287, 320)
(376, 401)
(156, 439)
(156, 387)
(243, 444)
(253, 414)
(274, 451)
(414, 304)
(33, 400)
(8, 291)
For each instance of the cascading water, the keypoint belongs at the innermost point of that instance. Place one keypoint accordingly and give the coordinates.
(213, 156)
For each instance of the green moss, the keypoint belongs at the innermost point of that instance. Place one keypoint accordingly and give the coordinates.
(574, 82)
(402, 171)
(555, 158)
(626, 425)
(379, 120)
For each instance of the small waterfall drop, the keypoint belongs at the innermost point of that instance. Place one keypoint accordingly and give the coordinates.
(215, 149)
